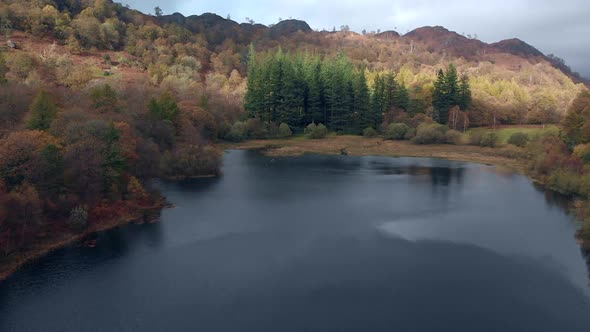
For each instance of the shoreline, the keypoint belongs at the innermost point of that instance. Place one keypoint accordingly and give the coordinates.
(362, 146)
(10, 265)
(338, 145)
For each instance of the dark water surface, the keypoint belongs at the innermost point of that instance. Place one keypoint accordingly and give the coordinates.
(322, 243)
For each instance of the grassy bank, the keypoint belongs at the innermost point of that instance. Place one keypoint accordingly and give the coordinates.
(12, 263)
(362, 146)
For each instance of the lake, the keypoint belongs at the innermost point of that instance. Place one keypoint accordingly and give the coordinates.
(322, 243)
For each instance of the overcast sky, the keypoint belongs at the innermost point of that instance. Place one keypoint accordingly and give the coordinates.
(558, 27)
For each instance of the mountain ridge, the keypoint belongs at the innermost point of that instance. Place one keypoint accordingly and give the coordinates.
(434, 37)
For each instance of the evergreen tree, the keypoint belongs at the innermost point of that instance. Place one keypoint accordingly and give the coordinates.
(464, 99)
(43, 111)
(362, 100)
(164, 108)
(449, 92)
(315, 92)
(402, 98)
(389, 92)
(254, 99)
(377, 102)
(114, 164)
(452, 85)
(440, 100)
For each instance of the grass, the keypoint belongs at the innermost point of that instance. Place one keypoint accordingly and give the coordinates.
(505, 132)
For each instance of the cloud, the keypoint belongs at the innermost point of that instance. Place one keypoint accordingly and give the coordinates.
(554, 27)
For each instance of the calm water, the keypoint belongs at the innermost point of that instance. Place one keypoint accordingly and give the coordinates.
(322, 243)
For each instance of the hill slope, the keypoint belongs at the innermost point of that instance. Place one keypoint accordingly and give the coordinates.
(208, 53)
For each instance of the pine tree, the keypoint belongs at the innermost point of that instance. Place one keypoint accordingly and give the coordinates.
(43, 111)
(315, 94)
(390, 91)
(402, 98)
(362, 101)
(253, 99)
(440, 100)
(448, 93)
(275, 85)
(452, 85)
(377, 102)
(464, 100)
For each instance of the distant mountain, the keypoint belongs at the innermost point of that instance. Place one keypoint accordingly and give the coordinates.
(430, 38)
(517, 47)
(388, 34)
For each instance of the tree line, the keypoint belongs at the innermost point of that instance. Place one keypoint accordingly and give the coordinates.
(303, 88)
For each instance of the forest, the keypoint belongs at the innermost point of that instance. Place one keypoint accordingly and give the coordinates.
(302, 89)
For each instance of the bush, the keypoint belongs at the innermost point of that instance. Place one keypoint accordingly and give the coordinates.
(430, 134)
(237, 133)
(396, 131)
(191, 161)
(584, 186)
(489, 140)
(453, 137)
(369, 132)
(410, 134)
(582, 151)
(78, 218)
(483, 139)
(564, 182)
(256, 129)
(285, 131)
(316, 132)
(475, 137)
(519, 139)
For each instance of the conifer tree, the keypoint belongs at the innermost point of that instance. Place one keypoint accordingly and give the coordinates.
(464, 99)
(362, 101)
(43, 111)
(439, 101)
(377, 102)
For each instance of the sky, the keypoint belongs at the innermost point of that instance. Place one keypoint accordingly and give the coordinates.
(554, 27)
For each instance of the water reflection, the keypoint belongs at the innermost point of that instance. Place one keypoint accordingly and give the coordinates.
(554, 199)
(322, 243)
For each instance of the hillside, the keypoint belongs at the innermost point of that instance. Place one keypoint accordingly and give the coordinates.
(508, 77)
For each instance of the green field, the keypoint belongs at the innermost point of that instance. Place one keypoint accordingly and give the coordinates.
(504, 132)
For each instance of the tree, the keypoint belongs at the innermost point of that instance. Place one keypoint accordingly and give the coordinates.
(464, 94)
(440, 100)
(576, 125)
(87, 31)
(362, 100)
(452, 85)
(43, 110)
(164, 107)
(104, 99)
(3, 69)
(158, 11)
(22, 156)
(376, 112)
(449, 92)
